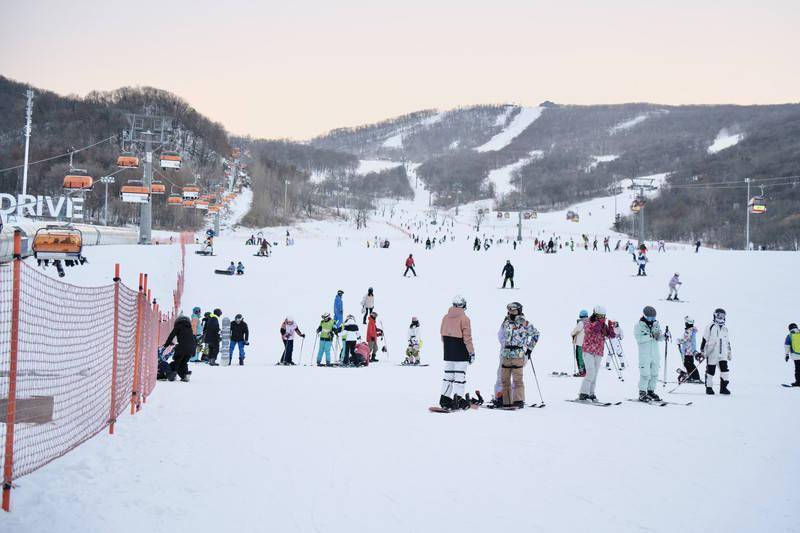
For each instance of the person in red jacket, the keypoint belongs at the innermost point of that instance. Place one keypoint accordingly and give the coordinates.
(373, 331)
(596, 330)
(410, 266)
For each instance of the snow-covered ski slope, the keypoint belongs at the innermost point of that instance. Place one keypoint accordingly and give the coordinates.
(303, 449)
(518, 124)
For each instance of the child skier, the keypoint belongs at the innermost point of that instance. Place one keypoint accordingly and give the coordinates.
(673, 287)
(596, 330)
(716, 348)
(792, 348)
(687, 345)
(326, 331)
(456, 332)
(239, 269)
(414, 343)
(288, 330)
(350, 336)
(647, 334)
(517, 339)
(577, 342)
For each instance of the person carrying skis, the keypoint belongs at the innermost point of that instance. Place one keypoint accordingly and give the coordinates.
(641, 260)
(456, 333)
(367, 304)
(211, 335)
(373, 332)
(350, 336)
(239, 269)
(326, 331)
(687, 345)
(673, 287)
(596, 331)
(647, 334)
(577, 335)
(716, 349)
(410, 266)
(508, 274)
(414, 343)
(338, 309)
(182, 332)
(792, 348)
(288, 330)
(517, 339)
(240, 337)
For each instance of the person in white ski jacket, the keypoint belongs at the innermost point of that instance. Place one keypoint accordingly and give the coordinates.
(673, 287)
(367, 304)
(350, 336)
(647, 333)
(716, 348)
(414, 343)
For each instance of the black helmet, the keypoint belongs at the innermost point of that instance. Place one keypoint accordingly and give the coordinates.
(340, 292)
(649, 311)
(218, 312)
(237, 317)
(514, 306)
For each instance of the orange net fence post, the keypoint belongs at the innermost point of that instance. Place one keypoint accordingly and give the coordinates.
(138, 349)
(11, 397)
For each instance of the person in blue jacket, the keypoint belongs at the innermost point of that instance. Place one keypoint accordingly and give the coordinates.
(792, 348)
(338, 310)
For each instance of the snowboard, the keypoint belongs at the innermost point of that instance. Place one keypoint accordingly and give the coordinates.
(787, 385)
(676, 301)
(223, 272)
(198, 252)
(437, 409)
(421, 364)
(225, 341)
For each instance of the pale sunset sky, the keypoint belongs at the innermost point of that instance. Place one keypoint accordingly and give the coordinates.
(297, 68)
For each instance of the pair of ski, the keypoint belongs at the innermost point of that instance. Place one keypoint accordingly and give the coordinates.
(660, 403)
(513, 408)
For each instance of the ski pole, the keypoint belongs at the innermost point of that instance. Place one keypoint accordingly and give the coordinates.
(302, 345)
(667, 337)
(530, 360)
(385, 347)
(574, 356)
(688, 376)
(314, 348)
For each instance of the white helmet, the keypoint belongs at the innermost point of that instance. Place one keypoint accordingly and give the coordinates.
(459, 301)
(599, 310)
(289, 319)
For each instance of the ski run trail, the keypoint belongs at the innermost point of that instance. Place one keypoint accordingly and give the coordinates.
(302, 449)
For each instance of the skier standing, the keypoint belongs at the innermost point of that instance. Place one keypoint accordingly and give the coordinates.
(508, 274)
(288, 330)
(414, 343)
(410, 266)
(326, 331)
(338, 309)
(716, 348)
(596, 330)
(476, 245)
(517, 339)
(367, 304)
(647, 334)
(182, 331)
(687, 345)
(606, 247)
(350, 336)
(211, 335)
(642, 262)
(240, 337)
(673, 287)
(577, 335)
(792, 349)
(372, 336)
(456, 332)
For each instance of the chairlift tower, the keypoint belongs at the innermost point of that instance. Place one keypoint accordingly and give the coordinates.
(642, 185)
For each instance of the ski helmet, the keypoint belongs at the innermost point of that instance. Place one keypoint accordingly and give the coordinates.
(218, 311)
(373, 314)
(238, 316)
(290, 320)
(414, 319)
(719, 315)
(340, 292)
(599, 310)
(689, 321)
(792, 326)
(677, 275)
(326, 316)
(649, 311)
(583, 314)
(196, 310)
(514, 306)
(459, 301)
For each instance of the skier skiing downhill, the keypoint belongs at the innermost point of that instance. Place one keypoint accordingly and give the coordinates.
(647, 334)
(288, 330)
(350, 336)
(182, 331)
(687, 345)
(577, 335)
(414, 343)
(716, 348)
(596, 331)
(367, 304)
(326, 331)
(517, 339)
(338, 310)
(792, 349)
(673, 287)
(508, 274)
(456, 332)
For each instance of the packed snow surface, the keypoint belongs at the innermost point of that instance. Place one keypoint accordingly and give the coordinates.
(520, 122)
(501, 177)
(724, 140)
(395, 141)
(304, 449)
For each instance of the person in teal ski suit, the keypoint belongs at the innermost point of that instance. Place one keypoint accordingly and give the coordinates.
(647, 334)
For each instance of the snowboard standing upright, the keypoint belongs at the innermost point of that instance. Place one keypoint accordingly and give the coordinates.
(225, 342)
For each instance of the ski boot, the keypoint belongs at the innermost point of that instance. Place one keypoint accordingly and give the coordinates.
(460, 403)
(593, 398)
(479, 399)
(185, 378)
(172, 376)
(445, 402)
(653, 396)
(583, 397)
(709, 390)
(497, 401)
(723, 387)
(579, 374)
(682, 375)
(241, 361)
(643, 397)
(519, 404)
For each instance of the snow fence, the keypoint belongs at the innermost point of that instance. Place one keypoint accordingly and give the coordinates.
(72, 359)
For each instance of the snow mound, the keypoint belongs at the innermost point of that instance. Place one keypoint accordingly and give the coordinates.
(724, 140)
(501, 177)
(519, 123)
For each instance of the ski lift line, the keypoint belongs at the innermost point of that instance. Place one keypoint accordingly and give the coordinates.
(58, 156)
(743, 186)
(735, 182)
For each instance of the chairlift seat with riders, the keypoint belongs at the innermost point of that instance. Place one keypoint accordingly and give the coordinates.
(757, 205)
(191, 192)
(157, 187)
(59, 244)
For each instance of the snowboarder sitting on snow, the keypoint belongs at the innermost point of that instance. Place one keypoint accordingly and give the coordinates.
(239, 269)
(687, 345)
(240, 337)
(232, 268)
(673, 287)
(508, 274)
(647, 334)
(517, 339)
(577, 335)
(182, 331)
(642, 262)
(456, 332)
(792, 349)
(716, 349)
(326, 331)
(414, 343)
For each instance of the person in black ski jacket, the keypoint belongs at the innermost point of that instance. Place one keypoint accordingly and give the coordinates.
(508, 274)
(240, 336)
(211, 335)
(182, 331)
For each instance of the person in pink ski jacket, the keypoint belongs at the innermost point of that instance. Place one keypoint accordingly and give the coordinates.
(596, 330)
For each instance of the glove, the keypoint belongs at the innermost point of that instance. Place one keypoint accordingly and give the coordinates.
(699, 357)
(528, 353)
(247, 343)
(303, 335)
(471, 358)
(787, 358)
